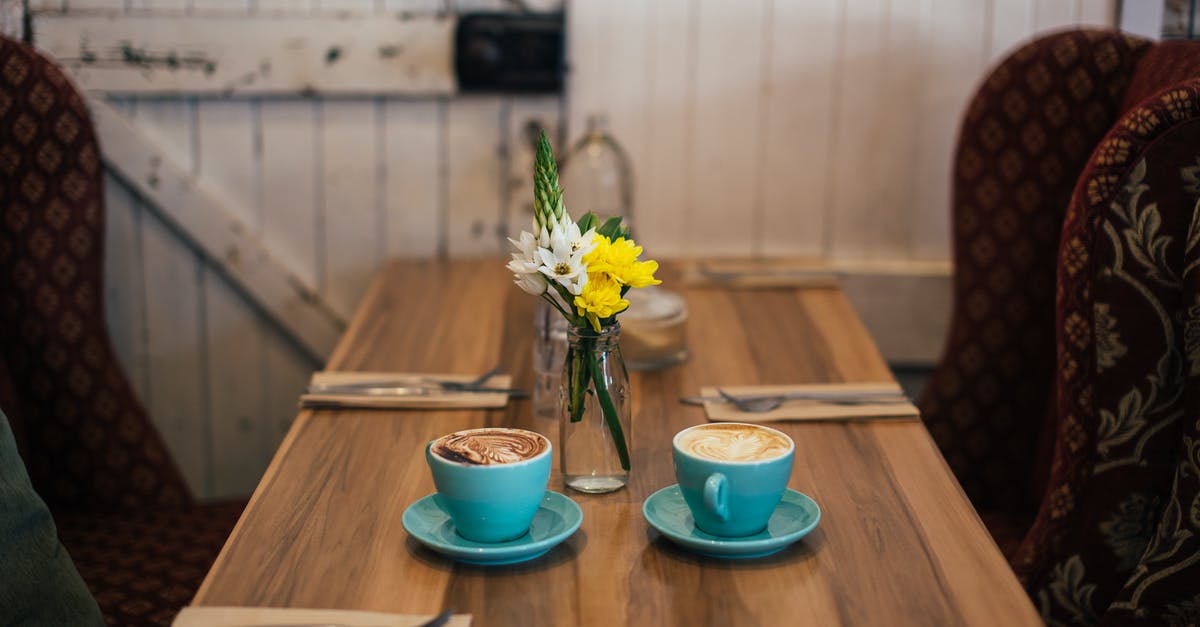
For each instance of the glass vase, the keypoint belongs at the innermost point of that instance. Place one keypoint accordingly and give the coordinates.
(549, 351)
(594, 412)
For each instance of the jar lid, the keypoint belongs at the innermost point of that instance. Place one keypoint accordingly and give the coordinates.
(653, 304)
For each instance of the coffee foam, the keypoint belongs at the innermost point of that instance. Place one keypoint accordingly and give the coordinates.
(488, 447)
(734, 443)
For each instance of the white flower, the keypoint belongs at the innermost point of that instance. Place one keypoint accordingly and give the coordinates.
(560, 264)
(570, 237)
(532, 283)
(526, 261)
(526, 265)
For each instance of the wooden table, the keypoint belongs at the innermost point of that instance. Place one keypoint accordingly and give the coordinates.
(898, 542)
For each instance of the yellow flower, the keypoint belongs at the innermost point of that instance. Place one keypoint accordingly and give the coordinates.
(601, 298)
(619, 260)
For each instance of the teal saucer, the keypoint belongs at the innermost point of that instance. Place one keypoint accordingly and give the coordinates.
(796, 515)
(556, 519)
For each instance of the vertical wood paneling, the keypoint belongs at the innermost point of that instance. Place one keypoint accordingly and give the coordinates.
(1053, 14)
(229, 153)
(287, 373)
(177, 398)
(860, 227)
(151, 5)
(236, 389)
(176, 395)
(661, 180)
(350, 203)
(414, 7)
(94, 5)
(796, 136)
(952, 61)
(46, 5)
(287, 7)
(726, 128)
(609, 56)
(474, 176)
(413, 191)
(1012, 23)
(124, 297)
(1096, 12)
(289, 182)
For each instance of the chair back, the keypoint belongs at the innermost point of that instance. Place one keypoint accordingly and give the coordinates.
(86, 440)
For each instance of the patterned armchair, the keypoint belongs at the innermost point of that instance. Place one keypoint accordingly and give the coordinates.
(1067, 401)
(122, 508)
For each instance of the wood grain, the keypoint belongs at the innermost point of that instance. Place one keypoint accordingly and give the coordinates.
(898, 542)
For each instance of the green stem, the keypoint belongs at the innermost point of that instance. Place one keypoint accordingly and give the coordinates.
(610, 412)
(578, 379)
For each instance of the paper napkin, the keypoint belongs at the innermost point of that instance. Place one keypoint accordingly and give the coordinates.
(810, 410)
(434, 399)
(250, 616)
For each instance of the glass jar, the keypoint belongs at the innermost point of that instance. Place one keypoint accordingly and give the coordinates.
(594, 412)
(549, 351)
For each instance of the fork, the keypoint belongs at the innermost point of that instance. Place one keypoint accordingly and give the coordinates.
(762, 404)
(466, 385)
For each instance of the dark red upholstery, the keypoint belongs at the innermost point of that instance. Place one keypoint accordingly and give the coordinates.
(1026, 137)
(91, 450)
(1116, 534)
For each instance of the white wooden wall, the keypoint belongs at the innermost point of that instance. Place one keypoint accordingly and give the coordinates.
(764, 127)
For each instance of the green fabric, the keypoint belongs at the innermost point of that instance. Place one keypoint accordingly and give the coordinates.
(38, 582)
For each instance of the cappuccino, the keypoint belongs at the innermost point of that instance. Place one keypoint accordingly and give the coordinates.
(490, 446)
(728, 442)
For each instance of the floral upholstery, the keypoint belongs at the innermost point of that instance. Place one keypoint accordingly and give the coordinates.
(1115, 536)
(89, 446)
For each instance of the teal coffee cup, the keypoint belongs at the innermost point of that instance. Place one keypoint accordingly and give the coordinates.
(732, 475)
(490, 481)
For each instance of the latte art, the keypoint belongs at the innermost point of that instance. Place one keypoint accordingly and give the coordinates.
(485, 447)
(734, 443)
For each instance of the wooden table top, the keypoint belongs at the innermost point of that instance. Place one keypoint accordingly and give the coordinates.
(898, 542)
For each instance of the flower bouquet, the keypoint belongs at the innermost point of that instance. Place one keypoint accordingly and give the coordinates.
(583, 269)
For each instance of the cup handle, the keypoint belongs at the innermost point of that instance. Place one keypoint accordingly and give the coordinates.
(714, 496)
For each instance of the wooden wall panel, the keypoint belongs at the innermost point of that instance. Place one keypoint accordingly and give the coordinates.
(474, 176)
(1011, 23)
(176, 350)
(953, 61)
(661, 181)
(236, 378)
(124, 295)
(177, 398)
(350, 202)
(290, 183)
(726, 128)
(1096, 12)
(413, 194)
(797, 139)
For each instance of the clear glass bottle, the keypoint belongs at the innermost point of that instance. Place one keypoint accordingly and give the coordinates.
(596, 175)
(549, 351)
(595, 412)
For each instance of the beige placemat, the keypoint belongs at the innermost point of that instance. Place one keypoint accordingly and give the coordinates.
(248, 616)
(806, 410)
(435, 399)
(750, 274)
